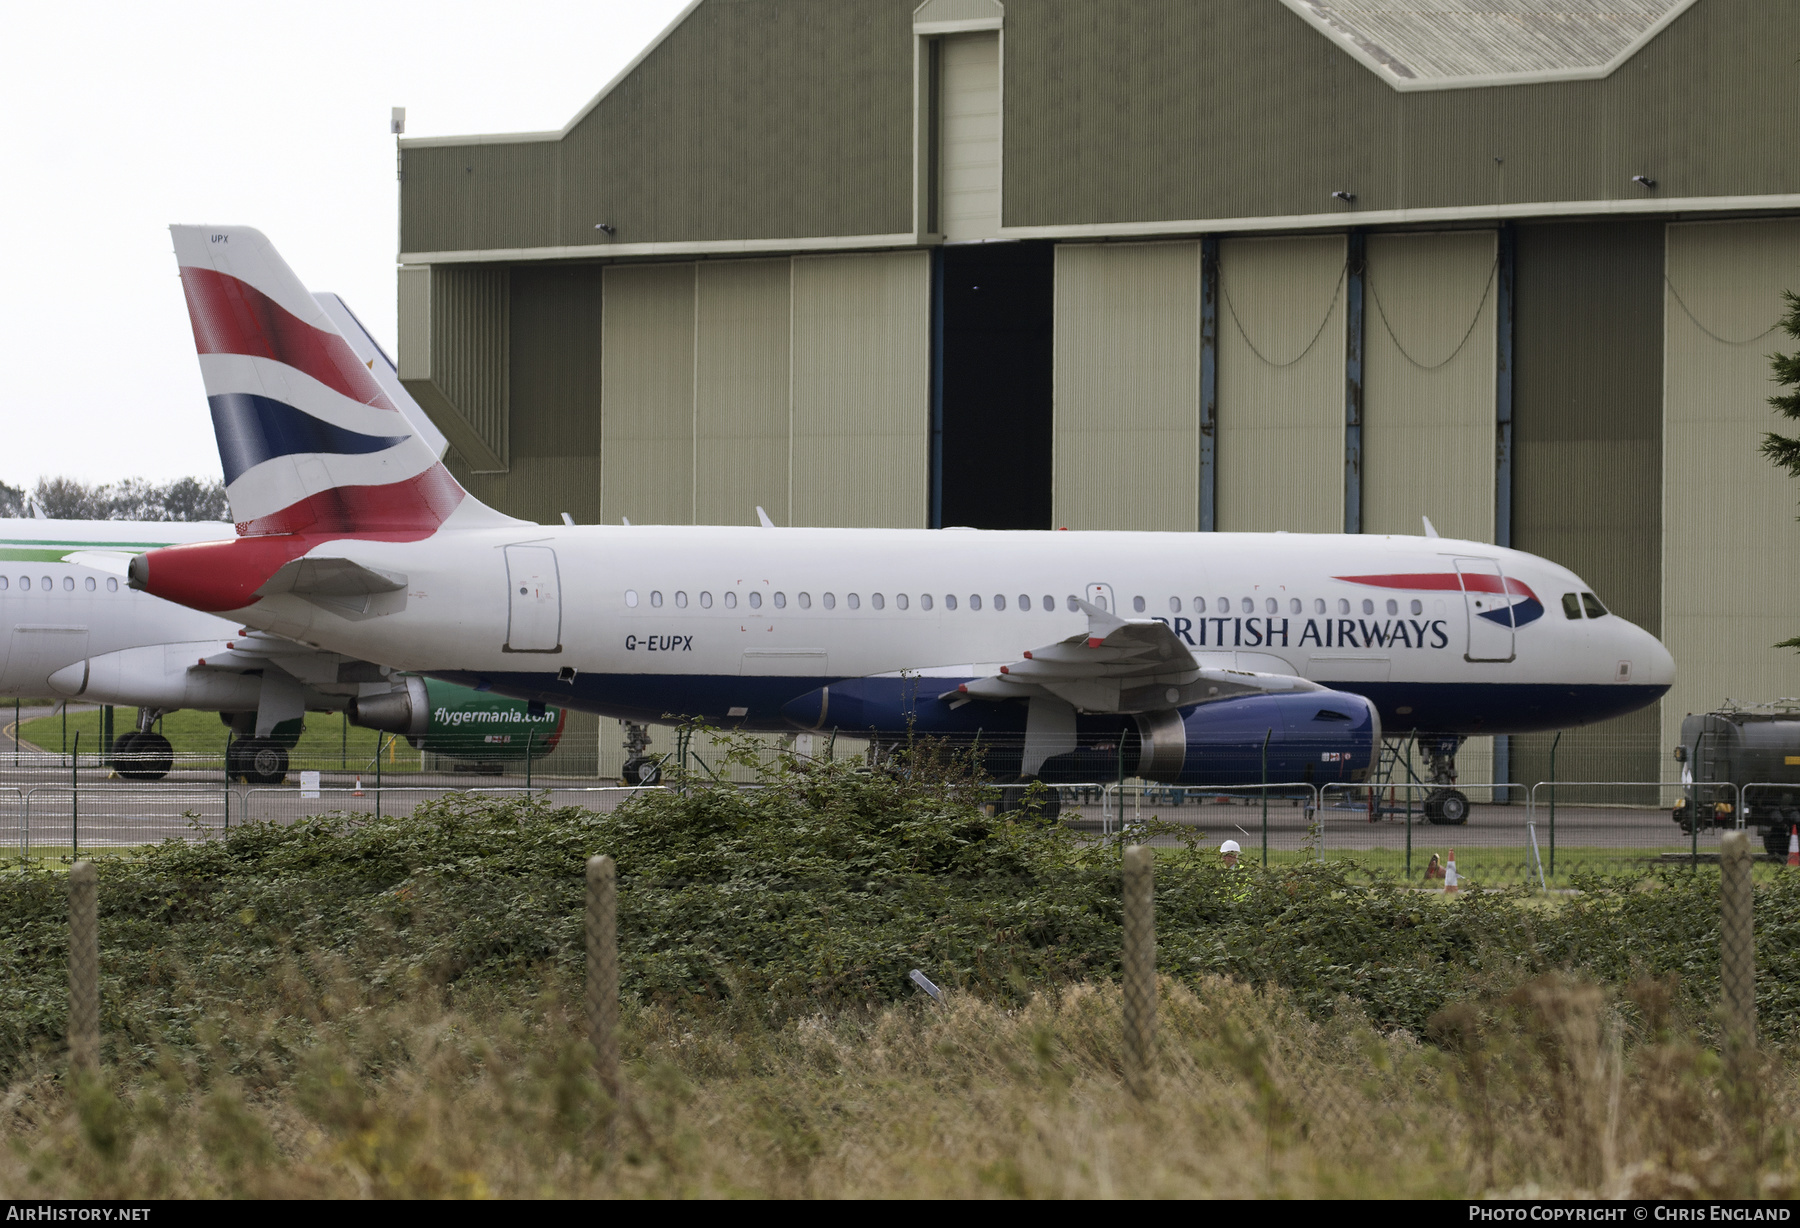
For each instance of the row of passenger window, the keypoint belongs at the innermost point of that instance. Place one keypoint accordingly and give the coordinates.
(877, 601)
(1223, 605)
(46, 584)
(1272, 605)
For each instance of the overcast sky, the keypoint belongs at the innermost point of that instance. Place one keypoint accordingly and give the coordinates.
(123, 118)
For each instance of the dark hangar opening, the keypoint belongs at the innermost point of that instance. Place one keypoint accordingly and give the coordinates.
(993, 303)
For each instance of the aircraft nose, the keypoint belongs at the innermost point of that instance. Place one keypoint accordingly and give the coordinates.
(1651, 663)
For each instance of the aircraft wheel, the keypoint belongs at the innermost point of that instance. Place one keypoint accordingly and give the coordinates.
(1017, 798)
(257, 761)
(642, 771)
(143, 756)
(1447, 808)
(121, 748)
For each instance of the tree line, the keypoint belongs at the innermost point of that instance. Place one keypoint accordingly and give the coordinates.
(59, 498)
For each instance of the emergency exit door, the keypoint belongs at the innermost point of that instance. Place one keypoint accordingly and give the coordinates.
(533, 600)
(1489, 609)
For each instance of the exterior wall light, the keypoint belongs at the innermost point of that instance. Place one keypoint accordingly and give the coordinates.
(1349, 198)
(1645, 182)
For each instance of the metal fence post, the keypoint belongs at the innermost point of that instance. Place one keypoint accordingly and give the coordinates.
(1265, 796)
(1737, 942)
(75, 801)
(602, 932)
(1139, 966)
(84, 970)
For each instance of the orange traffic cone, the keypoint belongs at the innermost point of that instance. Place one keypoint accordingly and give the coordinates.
(357, 792)
(1450, 874)
(1794, 845)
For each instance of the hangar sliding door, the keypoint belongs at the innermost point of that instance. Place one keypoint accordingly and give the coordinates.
(647, 395)
(1281, 384)
(1731, 590)
(1127, 372)
(861, 398)
(1429, 310)
(741, 390)
(969, 143)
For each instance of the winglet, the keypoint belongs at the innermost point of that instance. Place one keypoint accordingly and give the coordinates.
(762, 518)
(1429, 530)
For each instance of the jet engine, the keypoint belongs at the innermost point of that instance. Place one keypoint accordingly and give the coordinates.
(1315, 737)
(461, 722)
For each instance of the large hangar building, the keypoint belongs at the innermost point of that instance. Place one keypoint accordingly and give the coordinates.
(1314, 265)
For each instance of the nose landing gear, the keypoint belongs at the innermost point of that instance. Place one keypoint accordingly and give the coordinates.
(1445, 805)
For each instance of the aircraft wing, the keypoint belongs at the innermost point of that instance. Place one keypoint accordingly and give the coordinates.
(1122, 665)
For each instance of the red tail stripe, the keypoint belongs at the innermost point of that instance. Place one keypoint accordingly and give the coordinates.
(231, 316)
(1445, 581)
(413, 509)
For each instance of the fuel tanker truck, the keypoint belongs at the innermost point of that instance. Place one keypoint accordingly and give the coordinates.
(1750, 753)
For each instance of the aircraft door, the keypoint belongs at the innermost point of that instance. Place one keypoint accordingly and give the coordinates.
(1102, 596)
(533, 600)
(1489, 610)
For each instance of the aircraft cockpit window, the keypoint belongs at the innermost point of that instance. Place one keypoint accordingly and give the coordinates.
(705, 600)
(1368, 606)
(1137, 605)
(1594, 608)
(1418, 607)
(1571, 605)
(112, 584)
(91, 586)
(781, 601)
(730, 600)
(656, 598)
(828, 600)
(680, 600)
(631, 597)
(755, 600)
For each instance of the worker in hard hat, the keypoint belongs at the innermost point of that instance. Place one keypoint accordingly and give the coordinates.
(1228, 853)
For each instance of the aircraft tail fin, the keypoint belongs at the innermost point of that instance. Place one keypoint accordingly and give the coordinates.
(309, 439)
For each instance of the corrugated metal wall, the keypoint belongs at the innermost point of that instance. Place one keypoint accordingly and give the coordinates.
(554, 399)
(454, 354)
(1281, 384)
(1588, 448)
(1429, 308)
(970, 143)
(647, 395)
(1127, 110)
(1731, 549)
(1127, 371)
(861, 371)
(741, 384)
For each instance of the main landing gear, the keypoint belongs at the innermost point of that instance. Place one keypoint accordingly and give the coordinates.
(639, 769)
(1445, 805)
(1044, 806)
(142, 753)
(256, 761)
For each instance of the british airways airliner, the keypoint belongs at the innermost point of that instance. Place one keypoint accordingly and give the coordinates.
(1180, 657)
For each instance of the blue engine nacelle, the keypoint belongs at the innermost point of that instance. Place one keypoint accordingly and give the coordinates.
(1314, 737)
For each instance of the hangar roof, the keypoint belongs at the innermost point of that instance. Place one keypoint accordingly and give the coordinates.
(1452, 44)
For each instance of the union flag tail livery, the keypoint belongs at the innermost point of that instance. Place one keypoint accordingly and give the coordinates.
(1190, 658)
(311, 446)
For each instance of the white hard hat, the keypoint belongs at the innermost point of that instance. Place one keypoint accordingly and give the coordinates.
(1230, 846)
